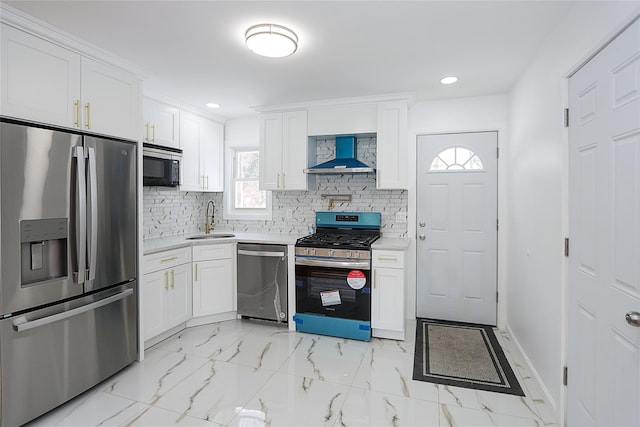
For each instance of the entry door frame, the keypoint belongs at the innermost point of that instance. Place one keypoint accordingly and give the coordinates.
(458, 122)
(478, 143)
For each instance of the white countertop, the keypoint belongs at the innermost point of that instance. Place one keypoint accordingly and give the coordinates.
(160, 244)
(391, 243)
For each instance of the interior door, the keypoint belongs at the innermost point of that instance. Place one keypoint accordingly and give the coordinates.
(604, 221)
(457, 227)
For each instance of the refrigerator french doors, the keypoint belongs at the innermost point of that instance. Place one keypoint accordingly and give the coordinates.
(68, 265)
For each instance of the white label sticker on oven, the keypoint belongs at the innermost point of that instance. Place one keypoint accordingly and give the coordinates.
(356, 279)
(330, 298)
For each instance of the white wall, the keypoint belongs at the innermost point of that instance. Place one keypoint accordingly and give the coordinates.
(536, 310)
(459, 115)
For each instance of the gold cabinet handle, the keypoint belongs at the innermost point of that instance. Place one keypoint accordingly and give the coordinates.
(166, 280)
(146, 132)
(196, 272)
(284, 185)
(76, 110)
(173, 279)
(87, 109)
(169, 259)
(153, 133)
(206, 186)
(374, 278)
(387, 258)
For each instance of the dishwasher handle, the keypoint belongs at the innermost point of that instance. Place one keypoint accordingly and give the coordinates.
(261, 253)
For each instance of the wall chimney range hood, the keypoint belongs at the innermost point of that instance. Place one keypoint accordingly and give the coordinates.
(345, 161)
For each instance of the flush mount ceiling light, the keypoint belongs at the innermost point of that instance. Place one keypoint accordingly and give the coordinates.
(212, 105)
(449, 80)
(274, 41)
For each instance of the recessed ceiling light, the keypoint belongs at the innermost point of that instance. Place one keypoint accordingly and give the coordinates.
(212, 105)
(274, 41)
(449, 80)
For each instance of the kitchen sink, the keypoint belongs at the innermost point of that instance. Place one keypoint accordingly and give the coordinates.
(211, 236)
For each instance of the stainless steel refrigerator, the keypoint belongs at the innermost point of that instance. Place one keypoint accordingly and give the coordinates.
(68, 265)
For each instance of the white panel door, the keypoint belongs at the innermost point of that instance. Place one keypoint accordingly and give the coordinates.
(457, 227)
(604, 221)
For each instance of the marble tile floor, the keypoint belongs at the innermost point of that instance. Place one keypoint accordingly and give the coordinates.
(250, 374)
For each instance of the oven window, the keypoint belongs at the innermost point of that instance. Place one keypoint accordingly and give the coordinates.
(326, 291)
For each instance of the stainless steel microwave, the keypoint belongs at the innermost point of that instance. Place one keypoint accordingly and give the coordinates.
(161, 165)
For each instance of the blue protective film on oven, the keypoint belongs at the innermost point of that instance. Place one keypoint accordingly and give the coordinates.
(333, 326)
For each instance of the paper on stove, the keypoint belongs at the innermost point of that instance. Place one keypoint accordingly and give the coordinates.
(330, 298)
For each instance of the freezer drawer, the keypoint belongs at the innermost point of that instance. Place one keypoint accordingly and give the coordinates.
(50, 355)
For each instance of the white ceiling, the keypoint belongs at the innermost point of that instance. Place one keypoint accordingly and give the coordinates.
(194, 52)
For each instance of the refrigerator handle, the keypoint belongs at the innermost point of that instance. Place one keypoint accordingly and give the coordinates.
(81, 216)
(21, 323)
(92, 192)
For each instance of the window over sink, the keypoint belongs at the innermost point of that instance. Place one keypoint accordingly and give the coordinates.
(244, 199)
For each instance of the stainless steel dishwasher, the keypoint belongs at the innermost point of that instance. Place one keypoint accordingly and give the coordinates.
(262, 281)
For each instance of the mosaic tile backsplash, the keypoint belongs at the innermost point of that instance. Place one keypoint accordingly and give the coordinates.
(169, 212)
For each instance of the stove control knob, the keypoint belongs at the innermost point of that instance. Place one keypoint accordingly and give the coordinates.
(347, 254)
(331, 252)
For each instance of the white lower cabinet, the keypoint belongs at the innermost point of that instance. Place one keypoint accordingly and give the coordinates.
(166, 295)
(387, 294)
(214, 287)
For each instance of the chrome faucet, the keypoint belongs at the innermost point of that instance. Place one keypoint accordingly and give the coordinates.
(208, 225)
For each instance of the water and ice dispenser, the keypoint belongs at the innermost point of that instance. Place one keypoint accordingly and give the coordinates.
(43, 249)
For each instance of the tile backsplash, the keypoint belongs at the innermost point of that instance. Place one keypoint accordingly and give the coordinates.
(169, 212)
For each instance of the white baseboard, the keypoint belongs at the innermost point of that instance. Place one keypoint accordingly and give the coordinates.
(534, 373)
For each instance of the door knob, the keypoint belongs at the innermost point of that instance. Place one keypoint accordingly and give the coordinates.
(422, 224)
(633, 318)
(422, 237)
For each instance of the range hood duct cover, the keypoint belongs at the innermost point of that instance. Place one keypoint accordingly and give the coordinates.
(345, 161)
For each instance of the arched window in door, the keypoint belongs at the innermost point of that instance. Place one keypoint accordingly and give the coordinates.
(456, 158)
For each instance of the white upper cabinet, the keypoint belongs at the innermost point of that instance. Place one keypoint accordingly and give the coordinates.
(111, 100)
(161, 123)
(212, 155)
(44, 82)
(391, 150)
(283, 150)
(40, 80)
(343, 119)
(202, 142)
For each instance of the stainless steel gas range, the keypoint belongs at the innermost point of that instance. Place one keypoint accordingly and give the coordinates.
(333, 275)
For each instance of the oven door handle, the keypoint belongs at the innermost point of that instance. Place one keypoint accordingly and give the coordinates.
(315, 262)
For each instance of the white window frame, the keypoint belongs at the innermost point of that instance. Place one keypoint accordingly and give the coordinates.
(230, 211)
